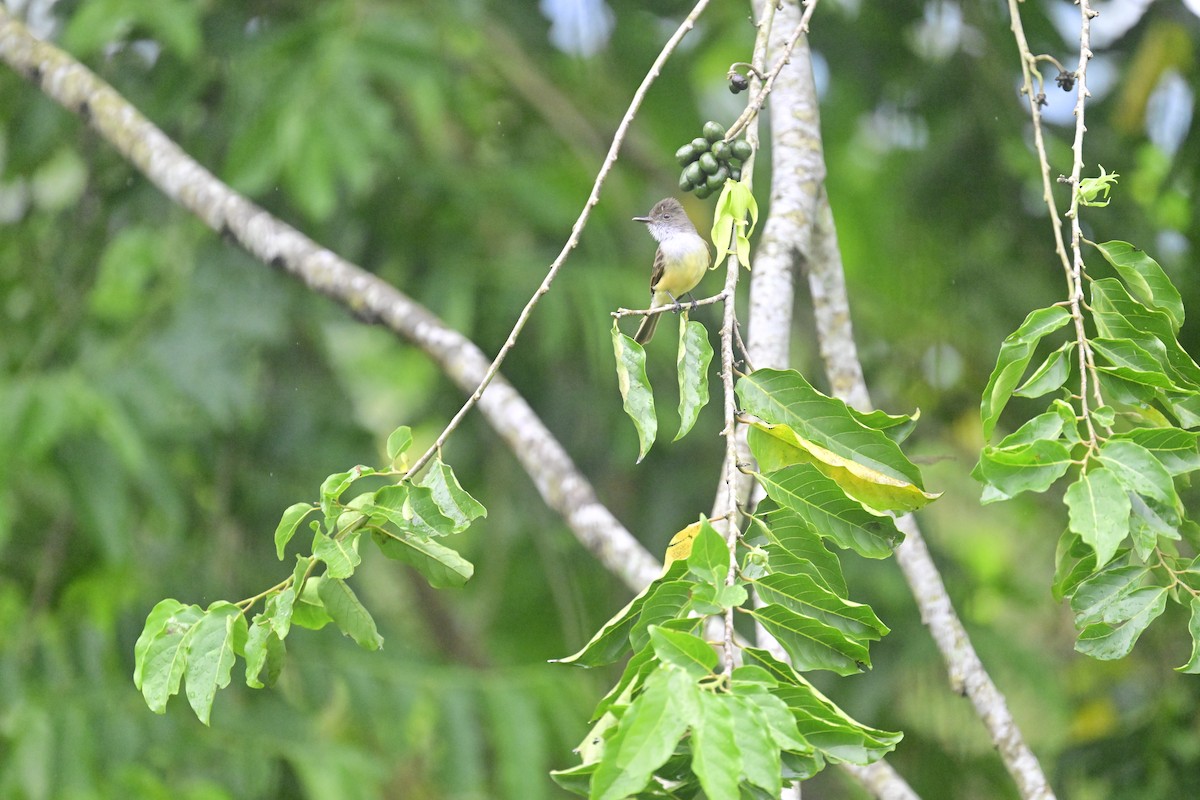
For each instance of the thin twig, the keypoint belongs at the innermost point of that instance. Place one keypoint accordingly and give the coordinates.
(760, 97)
(1072, 263)
(621, 313)
(576, 230)
(1087, 365)
(732, 482)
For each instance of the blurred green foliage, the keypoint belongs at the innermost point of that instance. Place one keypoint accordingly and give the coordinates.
(163, 397)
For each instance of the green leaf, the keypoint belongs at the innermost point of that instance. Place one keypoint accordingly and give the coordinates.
(1115, 637)
(1177, 450)
(309, 610)
(1015, 352)
(1108, 588)
(824, 507)
(690, 653)
(753, 738)
(333, 486)
(821, 723)
(793, 548)
(1139, 471)
(709, 559)
(611, 641)
(1193, 663)
(633, 676)
(1148, 523)
(398, 442)
(649, 730)
(665, 602)
(440, 566)
(339, 554)
(264, 651)
(896, 427)
(300, 572)
(695, 354)
(802, 594)
(780, 397)
(453, 502)
(1119, 316)
(278, 611)
(1051, 375)
(1099, 512)
(166, 658)
(424, 513)
(211, 645)
(289, 523)
(812, 644)
(350, 615)
(1145, 278)
(156, 622)
(1132, 362)
(1074, 562)
(754, 684)
(1032, 467)
(1185, 407)
(716, 759)
(636, 394)
(411, 509)
(575, 780)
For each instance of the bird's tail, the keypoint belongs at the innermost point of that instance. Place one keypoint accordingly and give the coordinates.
(645, 331)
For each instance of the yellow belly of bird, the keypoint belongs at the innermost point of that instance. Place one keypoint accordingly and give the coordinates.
(683, 270)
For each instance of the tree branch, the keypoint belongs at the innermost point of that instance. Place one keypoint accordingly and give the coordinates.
(790, 234)
(369, 298)
(801, 227)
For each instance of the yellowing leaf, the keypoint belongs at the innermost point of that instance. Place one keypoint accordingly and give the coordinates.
(868, 486)
(731, 231)
(680, 546)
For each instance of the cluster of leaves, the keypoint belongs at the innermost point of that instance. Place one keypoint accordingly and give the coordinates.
(1129, 546)
(675, 724)
(710, 160)
(695, 354)
(198, 647)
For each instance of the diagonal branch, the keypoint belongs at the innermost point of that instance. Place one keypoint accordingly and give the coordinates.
(371, 299)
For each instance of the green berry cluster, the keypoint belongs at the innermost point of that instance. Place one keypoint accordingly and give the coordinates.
(708, 160)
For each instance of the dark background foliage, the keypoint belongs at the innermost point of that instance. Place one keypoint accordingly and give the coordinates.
(163, 397)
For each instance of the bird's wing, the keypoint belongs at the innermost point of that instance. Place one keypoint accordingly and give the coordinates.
(657, 273)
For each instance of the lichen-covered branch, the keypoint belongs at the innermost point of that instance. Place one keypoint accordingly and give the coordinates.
(371, 299)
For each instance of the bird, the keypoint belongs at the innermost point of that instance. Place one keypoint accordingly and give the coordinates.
(681, 261)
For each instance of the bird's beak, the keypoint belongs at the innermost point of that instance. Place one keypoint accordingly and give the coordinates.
(641, 219)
